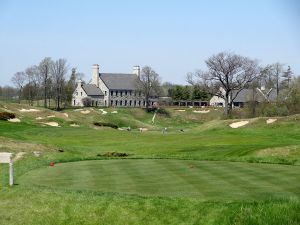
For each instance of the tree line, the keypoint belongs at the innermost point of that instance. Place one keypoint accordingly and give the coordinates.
(47, 81)
(228, 74)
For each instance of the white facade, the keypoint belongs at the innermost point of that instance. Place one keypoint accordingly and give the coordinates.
(125, 97)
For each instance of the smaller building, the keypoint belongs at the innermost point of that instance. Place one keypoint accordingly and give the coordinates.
(87, 90)
(244, 96)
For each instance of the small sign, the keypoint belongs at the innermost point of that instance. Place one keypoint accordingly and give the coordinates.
(5, 157)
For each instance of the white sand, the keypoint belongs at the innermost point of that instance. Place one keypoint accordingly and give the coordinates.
(143, 129)
(85, 112)
(238, 124)
(66, 115)
(74, 125)
(18, 156)
(52, 116)
(114, 112)
(52, 124)
(39, 118)
(14, 120)
(202, 111)
(103, 111)
(180, 110)
(271, 121)
(29, 110)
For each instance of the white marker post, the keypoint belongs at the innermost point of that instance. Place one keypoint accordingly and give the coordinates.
(6, 157)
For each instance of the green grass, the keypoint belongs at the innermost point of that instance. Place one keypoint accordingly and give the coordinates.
(209, 174)
(207, 181)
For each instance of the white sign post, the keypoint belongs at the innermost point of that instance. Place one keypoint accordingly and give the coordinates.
(6, 157)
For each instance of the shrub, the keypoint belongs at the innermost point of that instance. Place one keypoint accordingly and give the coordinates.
(113, 154)
(101, 124)
(6, 116)
(87, 102)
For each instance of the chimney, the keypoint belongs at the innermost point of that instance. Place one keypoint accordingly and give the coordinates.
(136, 70)
(79, 83)
(95, 74)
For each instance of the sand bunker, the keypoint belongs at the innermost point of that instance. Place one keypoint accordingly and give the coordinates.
(238, 124)
(180, 110)
(66, 115)
(85, 112)
(52, 124)
(143, 129)
(114, 112)
(103, 111)
(14, 120)
(271, 121)
(74, 125)
(29, 110)
(39, 118)
(52, 116)
(202, 111)
(18, 156)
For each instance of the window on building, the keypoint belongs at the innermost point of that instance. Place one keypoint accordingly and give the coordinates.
(125, 102)
(130, 102)
(134, 102)
(81, 93)
(139, 103)
(74, 102)
(144, 103)
(116, 93)
(121, 92)
(105, 102)
(130, 93)
(116, 102)
(111, 102)
(125, 92)
(121, 103)
(105, 93)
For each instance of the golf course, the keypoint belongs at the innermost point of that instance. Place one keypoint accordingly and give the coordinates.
(84, 166)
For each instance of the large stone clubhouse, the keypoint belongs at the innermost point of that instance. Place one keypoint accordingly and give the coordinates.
(112, 89)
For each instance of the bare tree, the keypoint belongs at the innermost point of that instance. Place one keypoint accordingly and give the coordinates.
(44, 73)
(19, 80)
(58, 71)
(148, 83)
(32, 75)
(228, 74)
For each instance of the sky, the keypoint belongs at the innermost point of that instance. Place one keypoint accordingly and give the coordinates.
(174, 37)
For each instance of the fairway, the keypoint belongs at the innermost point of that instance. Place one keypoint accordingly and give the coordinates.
(205, 180)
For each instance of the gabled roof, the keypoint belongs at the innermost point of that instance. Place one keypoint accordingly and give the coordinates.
(119, 81)
(92, 90)
(247, 95)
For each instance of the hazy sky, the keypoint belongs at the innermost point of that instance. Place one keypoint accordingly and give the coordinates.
(172, 36)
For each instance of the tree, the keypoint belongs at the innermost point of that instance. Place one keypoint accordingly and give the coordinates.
(287, 77)
(148, 83)
(71, 84)
(32, 76)
(18, 80)
(44, 72)
(228, 74)
(58, 71)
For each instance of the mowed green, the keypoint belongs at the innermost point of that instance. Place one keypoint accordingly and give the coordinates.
(205, 180)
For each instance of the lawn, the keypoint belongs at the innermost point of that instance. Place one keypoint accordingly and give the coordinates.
(204, 180)
(207, 174)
